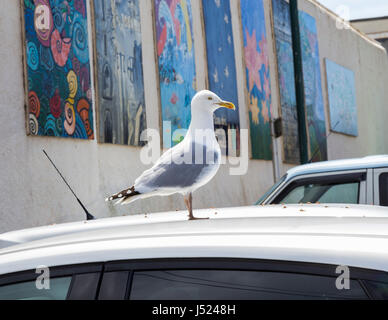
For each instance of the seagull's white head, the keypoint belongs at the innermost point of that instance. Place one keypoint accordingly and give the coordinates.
(207, 101)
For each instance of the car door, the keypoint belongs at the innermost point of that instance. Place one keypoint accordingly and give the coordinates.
(380, 187)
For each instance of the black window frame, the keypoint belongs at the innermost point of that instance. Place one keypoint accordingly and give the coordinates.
(341, 178)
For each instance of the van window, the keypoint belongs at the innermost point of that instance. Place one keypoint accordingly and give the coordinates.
(323, 193)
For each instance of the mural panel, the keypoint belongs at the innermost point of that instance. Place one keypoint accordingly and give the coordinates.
(342, 99)
(122, 115)
(222, 71)
(313, 87)
(286, 75)
(58, 70)
(258, 78)
(176, 60)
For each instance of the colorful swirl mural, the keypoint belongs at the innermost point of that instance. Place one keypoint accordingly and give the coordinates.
(58, 69)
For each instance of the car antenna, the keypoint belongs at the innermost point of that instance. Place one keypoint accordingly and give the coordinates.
(89, 216)
(317, 149)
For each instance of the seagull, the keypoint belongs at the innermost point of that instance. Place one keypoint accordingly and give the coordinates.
(189, 165)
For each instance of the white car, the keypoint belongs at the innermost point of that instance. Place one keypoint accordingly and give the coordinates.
(357, 181)
(250, 253)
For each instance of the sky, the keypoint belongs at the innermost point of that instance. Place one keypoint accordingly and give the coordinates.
(357, 9)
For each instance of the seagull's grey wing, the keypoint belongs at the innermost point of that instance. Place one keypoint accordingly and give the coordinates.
(178, 168)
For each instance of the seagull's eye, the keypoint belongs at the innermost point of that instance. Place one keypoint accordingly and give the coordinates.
(210, 98)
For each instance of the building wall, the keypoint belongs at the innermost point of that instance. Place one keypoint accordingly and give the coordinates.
(371, 26)
(375, 28)
(384, 43)
(32, 194)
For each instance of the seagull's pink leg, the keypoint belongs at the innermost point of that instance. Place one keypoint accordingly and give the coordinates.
(189, 204)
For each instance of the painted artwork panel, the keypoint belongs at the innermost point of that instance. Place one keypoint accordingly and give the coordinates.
(313, 87)
(58, 69)
(257, 77)
(286, 76)
(342, 99)
(222, 71)
(122, 113)
(176, 61)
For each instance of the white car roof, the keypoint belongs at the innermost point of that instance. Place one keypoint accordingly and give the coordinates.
(331, 234)
(378, 161)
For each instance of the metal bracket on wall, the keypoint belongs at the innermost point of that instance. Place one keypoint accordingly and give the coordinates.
(278, 129)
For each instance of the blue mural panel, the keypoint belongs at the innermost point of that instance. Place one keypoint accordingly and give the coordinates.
(342, 99)
(58, 69)
(286, 76)
(222, 69)
(122, 115)
(176, 61)
(258, 77)
(313, 87)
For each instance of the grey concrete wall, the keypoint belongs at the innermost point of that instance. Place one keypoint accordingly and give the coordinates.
(372, 26)
(32, 194)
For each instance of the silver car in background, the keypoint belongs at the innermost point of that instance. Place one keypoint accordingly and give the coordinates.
(353, 181)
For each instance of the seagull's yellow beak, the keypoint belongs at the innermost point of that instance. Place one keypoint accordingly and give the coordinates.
(227, 105)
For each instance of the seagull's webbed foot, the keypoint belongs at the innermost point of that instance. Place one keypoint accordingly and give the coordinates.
(192, 218)
(189, 205)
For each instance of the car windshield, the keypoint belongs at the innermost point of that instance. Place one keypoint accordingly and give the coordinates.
(271, 190)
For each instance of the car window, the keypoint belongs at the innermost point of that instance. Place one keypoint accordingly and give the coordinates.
(237, 285)
(383, 186)
(296, 195)
(341, 193)
(323, 193)
(271, 190)
(84, 286)
(58, 290)
(379, 290)
(114, 285)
